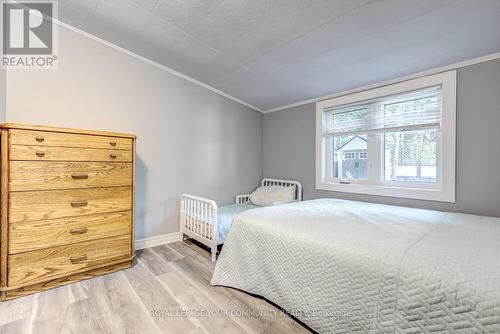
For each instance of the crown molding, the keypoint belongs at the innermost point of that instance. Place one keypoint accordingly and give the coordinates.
(392, 81)
(296, 104)
(151, 62)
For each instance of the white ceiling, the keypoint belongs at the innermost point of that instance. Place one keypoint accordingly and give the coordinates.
(270, 53)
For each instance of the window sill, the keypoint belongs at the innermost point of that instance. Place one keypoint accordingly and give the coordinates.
(439, 195)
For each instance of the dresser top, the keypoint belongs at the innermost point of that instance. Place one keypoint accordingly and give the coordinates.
(64, 130)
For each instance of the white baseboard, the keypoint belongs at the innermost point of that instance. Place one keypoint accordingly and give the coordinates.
(157, 241)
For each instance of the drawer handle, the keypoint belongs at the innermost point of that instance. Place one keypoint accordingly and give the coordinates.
(79, 176)
(113, 143)
(39, 139)
(80, 258)
(40, 154)
(80, 230)
(112, 156)
(77, 204)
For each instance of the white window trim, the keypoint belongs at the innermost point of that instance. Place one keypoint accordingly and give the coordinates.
(446, 159)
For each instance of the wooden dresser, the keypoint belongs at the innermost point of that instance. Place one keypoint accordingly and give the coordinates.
(67, 206)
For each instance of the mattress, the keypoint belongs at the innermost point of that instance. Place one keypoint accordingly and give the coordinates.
(342, 266)
(225, 216)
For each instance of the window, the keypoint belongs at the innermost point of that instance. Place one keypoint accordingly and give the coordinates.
(349, 155)
(396, 140)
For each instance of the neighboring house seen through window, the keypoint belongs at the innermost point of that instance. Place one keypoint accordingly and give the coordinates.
(397, 140)
(350, 167)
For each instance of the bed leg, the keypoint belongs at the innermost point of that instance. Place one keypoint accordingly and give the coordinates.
(214, 253)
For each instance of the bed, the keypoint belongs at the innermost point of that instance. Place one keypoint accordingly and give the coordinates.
(202, 220)
(343, 266)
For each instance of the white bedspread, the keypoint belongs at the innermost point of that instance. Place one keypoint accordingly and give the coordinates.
(343, 266)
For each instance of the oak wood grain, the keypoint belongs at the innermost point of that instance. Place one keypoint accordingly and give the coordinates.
(63, 191)
(45, 138)
(45, 175)
(4, 205)
(46, 263)
(42, 205)
(134, 166)
(25, 237)
(72, 278)
(55, 153)
(64, 130)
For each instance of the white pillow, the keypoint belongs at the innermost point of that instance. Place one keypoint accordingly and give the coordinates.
(270, 195)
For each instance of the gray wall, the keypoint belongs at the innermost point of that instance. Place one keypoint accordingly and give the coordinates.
(190, 139)
(289, 139)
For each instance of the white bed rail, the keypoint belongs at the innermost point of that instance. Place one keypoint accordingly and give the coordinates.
(285, 183)
(242, 199)
(198, 220)
(198, 216)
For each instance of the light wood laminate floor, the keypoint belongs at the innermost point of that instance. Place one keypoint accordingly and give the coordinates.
(171, 278)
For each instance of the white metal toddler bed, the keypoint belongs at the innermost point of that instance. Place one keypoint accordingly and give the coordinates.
(201, 220)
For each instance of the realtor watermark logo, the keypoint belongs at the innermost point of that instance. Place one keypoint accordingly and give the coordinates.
(29, 35)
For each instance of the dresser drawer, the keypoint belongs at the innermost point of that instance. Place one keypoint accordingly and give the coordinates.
(30, 138)
(42, 205)
(51, 153)
(47, 175)
(47, 263)
(24, 237)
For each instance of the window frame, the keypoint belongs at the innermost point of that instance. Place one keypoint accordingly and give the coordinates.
(443, 190)
(353, 154)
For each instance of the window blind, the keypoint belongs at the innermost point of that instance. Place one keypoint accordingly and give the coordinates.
(421, 109)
